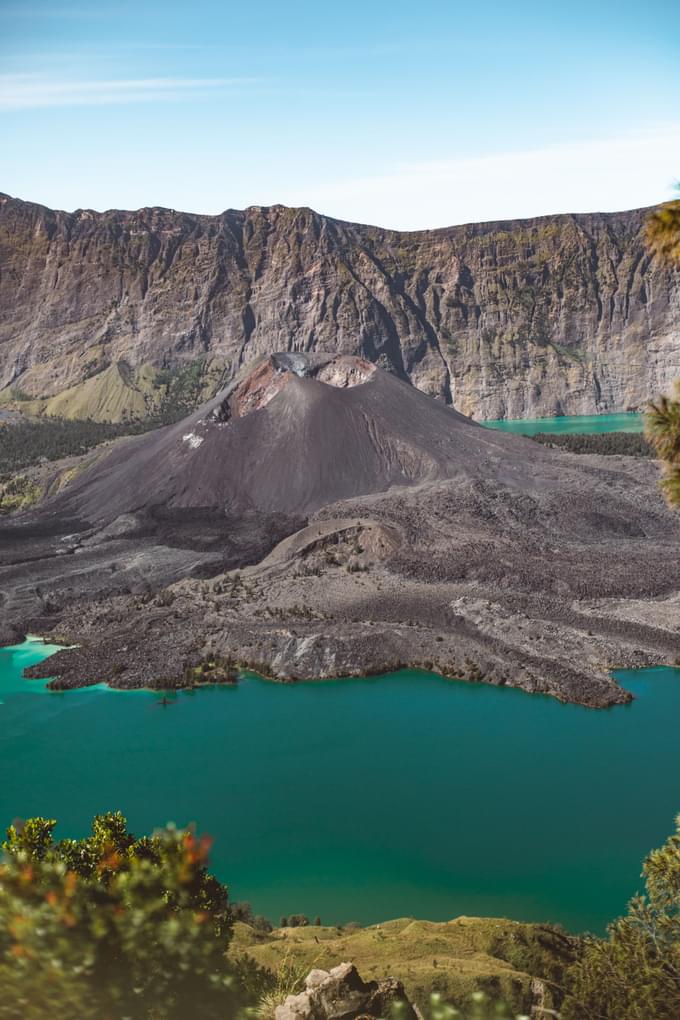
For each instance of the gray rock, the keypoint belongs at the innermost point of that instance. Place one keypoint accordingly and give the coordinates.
(341, 994)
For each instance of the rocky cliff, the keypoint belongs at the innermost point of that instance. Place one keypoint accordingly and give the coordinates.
(562, 314)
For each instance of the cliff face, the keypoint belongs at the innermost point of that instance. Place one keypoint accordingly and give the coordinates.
(562, 314)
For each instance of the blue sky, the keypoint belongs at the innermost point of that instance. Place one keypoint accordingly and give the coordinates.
(403, 114)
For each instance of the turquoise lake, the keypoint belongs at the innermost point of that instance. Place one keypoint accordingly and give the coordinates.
(623, 422)
(368, 799)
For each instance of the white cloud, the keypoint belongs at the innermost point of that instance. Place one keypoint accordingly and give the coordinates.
(582, 176)
(30, 91)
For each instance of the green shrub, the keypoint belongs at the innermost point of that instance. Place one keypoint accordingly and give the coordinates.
(635, 973)
(18, 493)
(112, 927)
(662, 428)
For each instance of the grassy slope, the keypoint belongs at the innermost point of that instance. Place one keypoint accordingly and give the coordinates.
(63, 428)
(120, 393)
(106, 397)
(455, 957)
(110, 396)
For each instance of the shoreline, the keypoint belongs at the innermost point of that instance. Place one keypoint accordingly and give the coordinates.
(40, 671)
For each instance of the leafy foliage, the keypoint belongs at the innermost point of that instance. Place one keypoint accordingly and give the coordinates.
(480, 1007)
(184, 387)
(298, 921)
(635, 974)
(18, 493)
(663, 231)
(662, 425)
(243, 911)
(662, 428)
(112, 926)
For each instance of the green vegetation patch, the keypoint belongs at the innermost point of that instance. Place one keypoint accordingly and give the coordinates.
(120, 393)
(18, 493)
(662, 429)
(627, 444)
(29, 442)
(634, 974)
(454, 958)
(112, 926)
(182, 389)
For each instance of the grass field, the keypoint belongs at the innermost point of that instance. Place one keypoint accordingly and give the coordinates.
(506, 959)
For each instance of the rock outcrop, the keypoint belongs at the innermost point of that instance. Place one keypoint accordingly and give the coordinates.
(562, 314)
(341, 994)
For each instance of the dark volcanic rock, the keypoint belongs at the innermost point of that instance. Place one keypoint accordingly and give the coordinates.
(372, 527)
(50, 561)
(562, 314)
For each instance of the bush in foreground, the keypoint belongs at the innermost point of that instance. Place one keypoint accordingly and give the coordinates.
(111, 927)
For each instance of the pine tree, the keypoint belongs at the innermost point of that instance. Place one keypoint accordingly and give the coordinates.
(635, 973)
(663, 231)
(662, 421)
(662, 429)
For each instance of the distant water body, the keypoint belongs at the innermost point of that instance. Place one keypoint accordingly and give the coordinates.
(590, 423)
(367, 799)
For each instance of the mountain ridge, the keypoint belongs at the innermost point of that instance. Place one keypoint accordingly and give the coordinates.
(510, 222)
(529, 317)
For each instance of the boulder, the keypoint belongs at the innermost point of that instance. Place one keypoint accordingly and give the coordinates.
(341, 994)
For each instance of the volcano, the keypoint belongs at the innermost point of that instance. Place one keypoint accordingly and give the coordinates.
(321, 518)
(293, 433)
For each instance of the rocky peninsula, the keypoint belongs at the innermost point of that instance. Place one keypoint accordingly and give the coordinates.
(321, 518)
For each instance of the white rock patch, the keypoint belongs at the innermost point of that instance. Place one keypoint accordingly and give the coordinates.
(193, 440)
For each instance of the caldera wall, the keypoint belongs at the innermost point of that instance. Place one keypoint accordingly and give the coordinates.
(562, 314)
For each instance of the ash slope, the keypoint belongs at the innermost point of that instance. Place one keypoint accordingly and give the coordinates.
(296, 433)
(377, 528)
